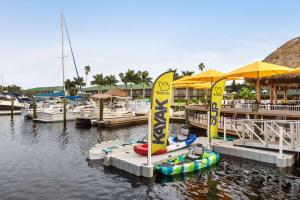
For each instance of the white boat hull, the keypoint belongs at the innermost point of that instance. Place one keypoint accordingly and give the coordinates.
(55, 117)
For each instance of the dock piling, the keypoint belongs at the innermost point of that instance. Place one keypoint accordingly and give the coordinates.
(65, 112)
(34, 108)
(101, 110)
(12, 109)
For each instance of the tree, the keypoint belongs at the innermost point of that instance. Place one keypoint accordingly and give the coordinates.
(79, 82)
(12, 89)
(100, 81)
(70, 87)
(187, 73)
(201, 67)
(245, 93)
(133, 78)
(123, 79)
(145, 80)
(87, 70)
(111, 80)
(176, 75)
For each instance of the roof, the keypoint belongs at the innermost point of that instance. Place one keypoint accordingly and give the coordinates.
(51, 88)
(134, 87)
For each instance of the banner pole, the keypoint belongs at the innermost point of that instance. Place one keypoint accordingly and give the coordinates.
(208, 129)
(149, 162)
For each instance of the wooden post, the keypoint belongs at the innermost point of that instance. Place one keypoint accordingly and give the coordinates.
(275, 95)
(225, 129)
(186, 117)
(34, 108)
(272, 93)
(12, 108)
(101, 110)
(65, 112)
(285, 95)
(258, 91)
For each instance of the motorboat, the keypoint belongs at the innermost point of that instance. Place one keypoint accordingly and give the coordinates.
(55, 113)
(6, 104)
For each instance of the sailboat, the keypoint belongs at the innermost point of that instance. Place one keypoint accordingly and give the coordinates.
(54, 113)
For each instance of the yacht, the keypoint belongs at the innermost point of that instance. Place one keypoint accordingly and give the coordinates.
(5, 104)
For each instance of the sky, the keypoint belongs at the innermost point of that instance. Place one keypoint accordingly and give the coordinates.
(114, 35)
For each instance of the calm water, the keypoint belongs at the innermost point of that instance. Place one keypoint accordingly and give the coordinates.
(44, 161)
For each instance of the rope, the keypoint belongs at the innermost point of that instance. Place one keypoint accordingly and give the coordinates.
(67, 31)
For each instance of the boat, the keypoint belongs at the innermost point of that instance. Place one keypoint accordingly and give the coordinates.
(6, 103)
(184, 139)
(198, 158)
(114, 107)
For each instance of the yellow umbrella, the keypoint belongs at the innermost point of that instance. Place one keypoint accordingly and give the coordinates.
(183, 80)
(258, 70)
(210, 76)
(207, 76)
(204, 85)
(295, 71)
(185, 83)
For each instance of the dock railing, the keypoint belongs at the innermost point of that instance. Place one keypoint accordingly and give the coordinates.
(267, 133)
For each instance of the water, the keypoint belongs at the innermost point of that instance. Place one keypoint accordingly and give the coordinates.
(44, 161)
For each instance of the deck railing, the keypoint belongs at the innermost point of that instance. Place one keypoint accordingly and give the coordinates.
(283, 133)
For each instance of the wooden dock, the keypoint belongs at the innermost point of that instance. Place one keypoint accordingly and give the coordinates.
(126, 159)
(121, 122)
(131, 121)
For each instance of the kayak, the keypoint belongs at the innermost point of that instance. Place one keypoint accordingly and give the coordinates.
(174, 144)
(182, 163)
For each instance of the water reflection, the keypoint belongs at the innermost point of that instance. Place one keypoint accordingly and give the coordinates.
(63, 138)
(46, 161)
(12, 128)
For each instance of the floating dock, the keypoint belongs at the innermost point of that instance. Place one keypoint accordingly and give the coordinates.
(126, 159)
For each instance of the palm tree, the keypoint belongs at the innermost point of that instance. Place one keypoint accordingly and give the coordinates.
(176, 75)
(111, 80)
(187, 73)
(79, 82)
(87, 70)
(145, 80)
(132, 78)
(123, 79)
(100, 81)
(70, 87)
(201, 67)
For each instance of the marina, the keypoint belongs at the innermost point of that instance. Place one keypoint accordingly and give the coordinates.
(147, 100)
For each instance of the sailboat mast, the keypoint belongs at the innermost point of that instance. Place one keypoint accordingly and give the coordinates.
(2, 87)
(62, 51)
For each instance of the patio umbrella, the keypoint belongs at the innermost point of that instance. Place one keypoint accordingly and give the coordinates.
(258, 70)
(207, 76)
(184, 83)
(204, 85)
(294, 71)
